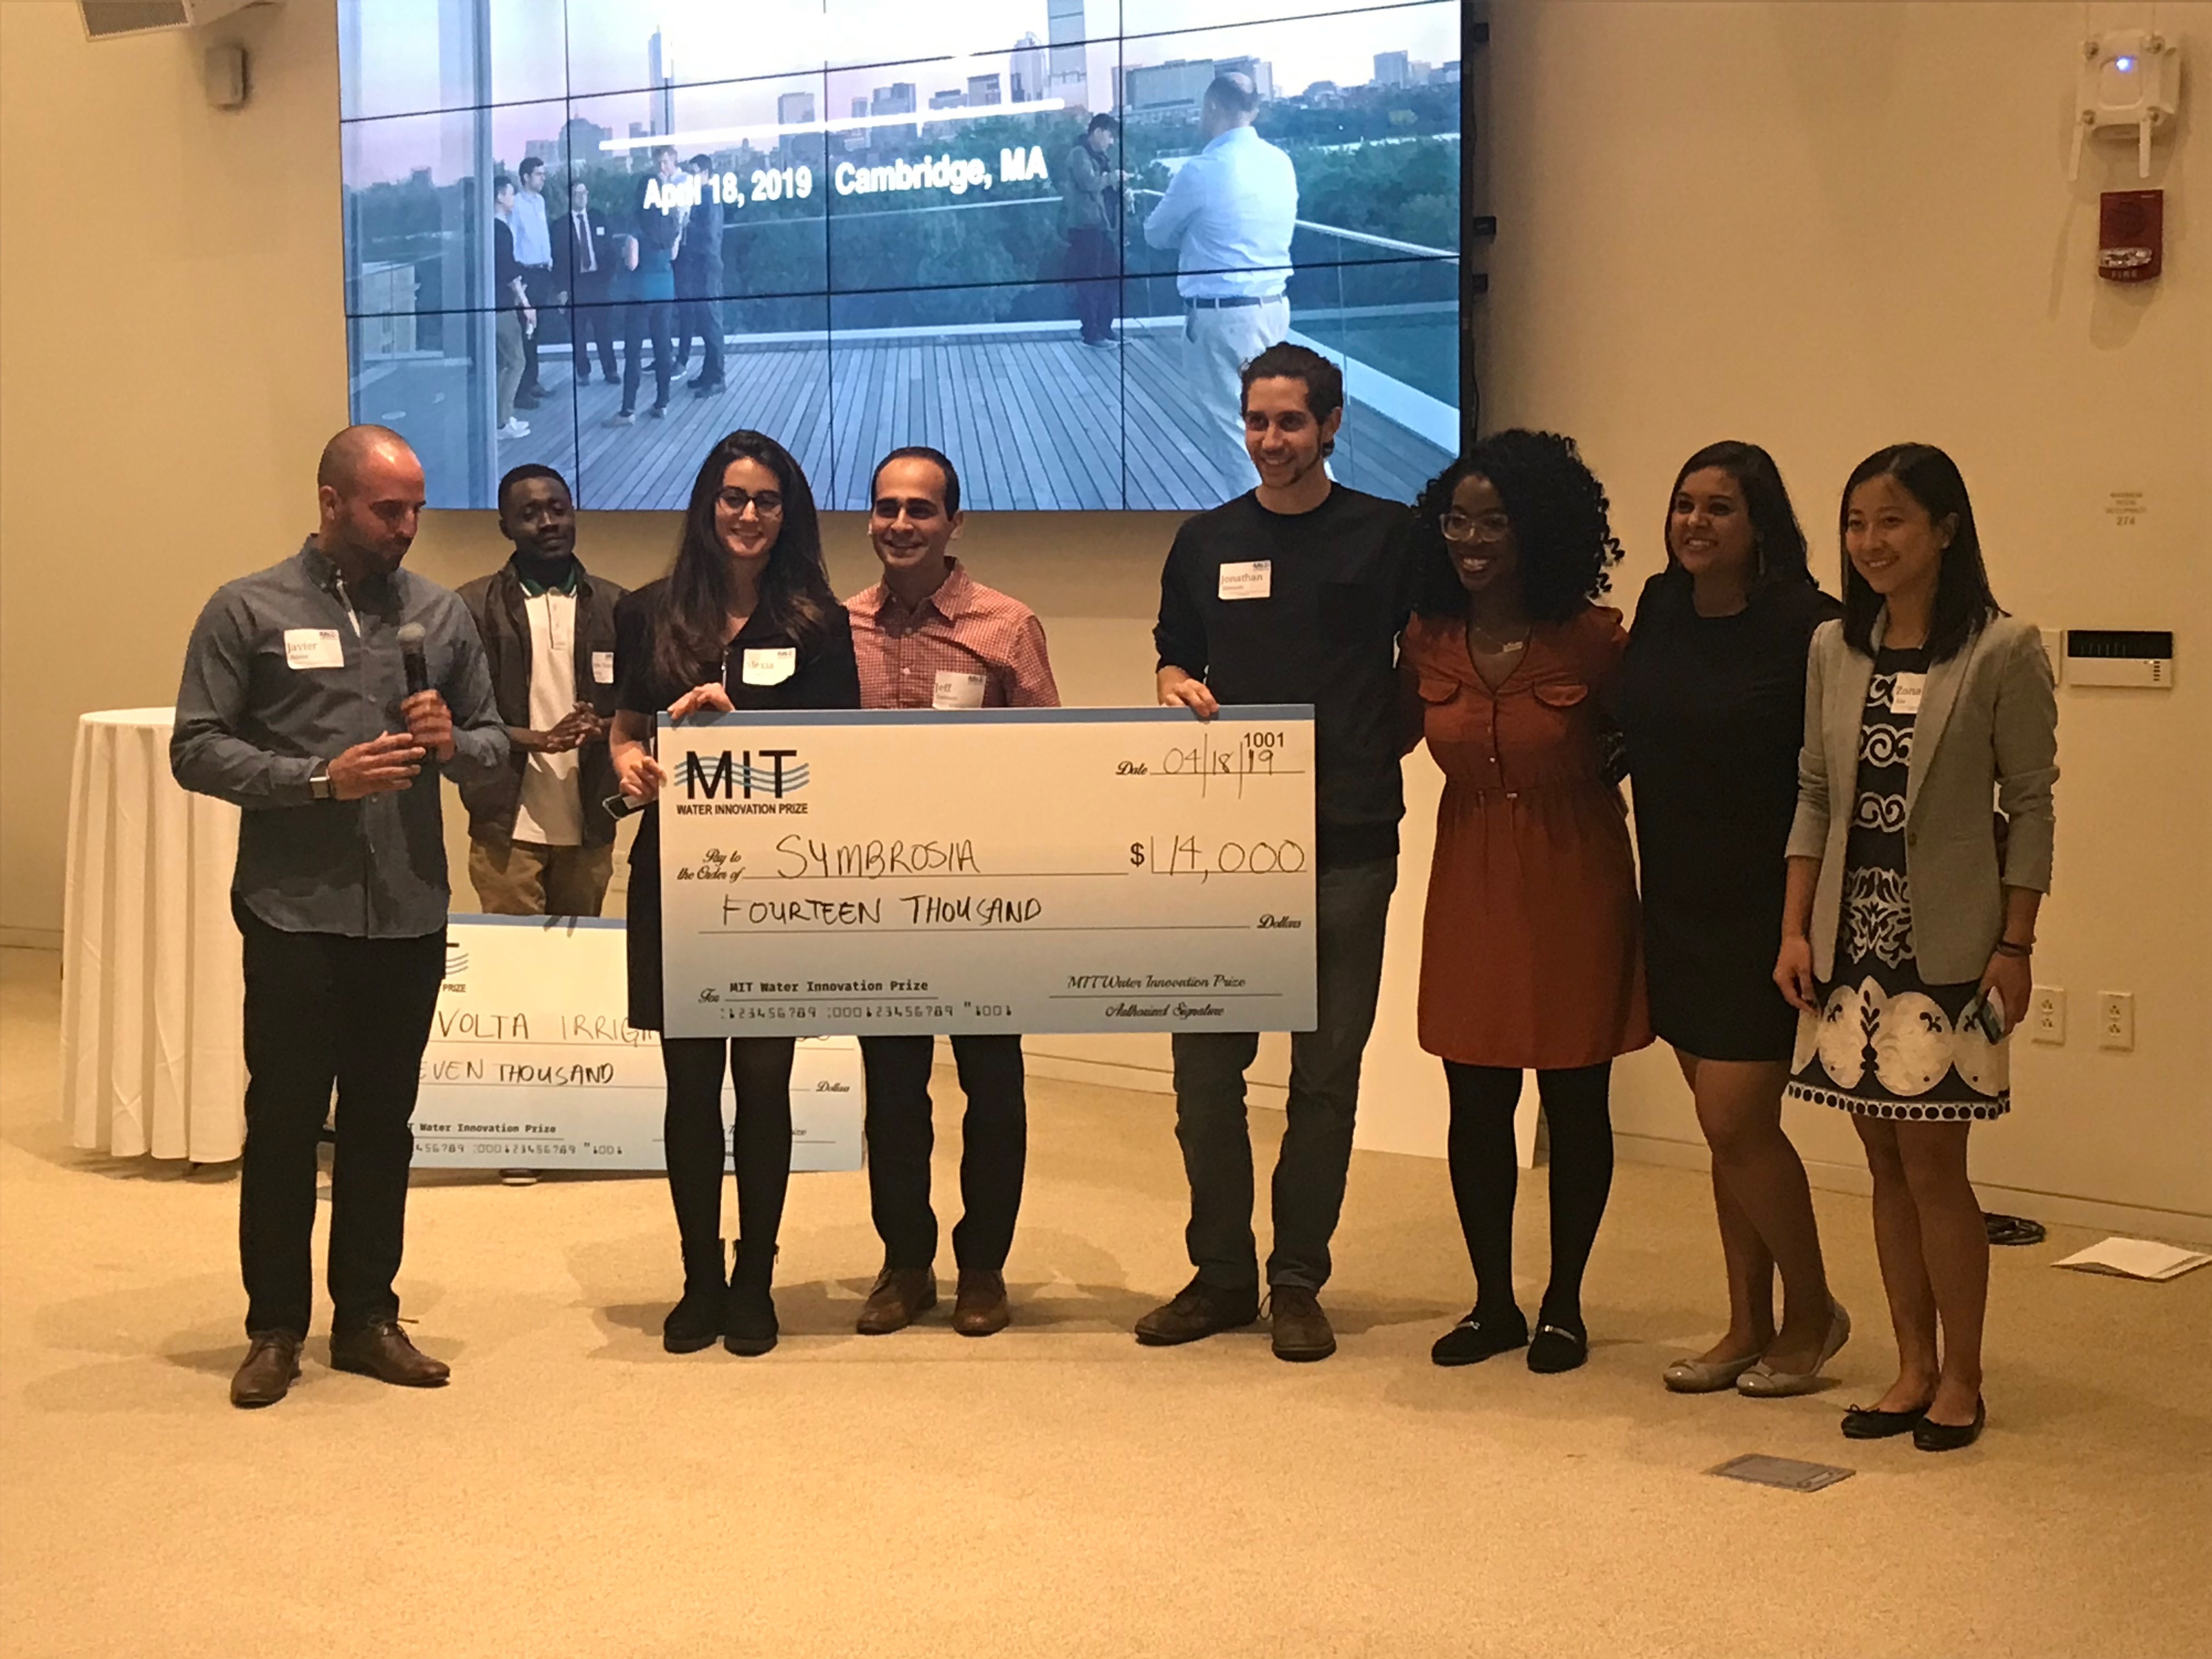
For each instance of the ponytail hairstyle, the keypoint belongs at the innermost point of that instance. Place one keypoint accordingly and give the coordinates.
(795, 596)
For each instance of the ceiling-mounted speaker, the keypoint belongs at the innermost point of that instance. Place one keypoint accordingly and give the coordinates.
(106, 20)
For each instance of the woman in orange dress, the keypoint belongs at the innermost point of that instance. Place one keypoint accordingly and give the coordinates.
(1531, 956)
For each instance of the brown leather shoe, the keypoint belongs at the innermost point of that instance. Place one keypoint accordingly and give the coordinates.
(979, 1309)
(271, 1367)
(901, 1295)
(382, 1350)
(1199, 1309)
(1301, 1329)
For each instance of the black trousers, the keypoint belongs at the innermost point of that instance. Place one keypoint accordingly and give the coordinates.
(649, 321)
(537, 284)
(698, 313)
(591, 317)
(1091, 267)
(697, 1150)
(994, 1148)
(322, 1008)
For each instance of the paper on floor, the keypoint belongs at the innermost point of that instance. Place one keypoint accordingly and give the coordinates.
(2136, 1258)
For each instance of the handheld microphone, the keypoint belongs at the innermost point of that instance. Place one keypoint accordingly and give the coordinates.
(411, 637)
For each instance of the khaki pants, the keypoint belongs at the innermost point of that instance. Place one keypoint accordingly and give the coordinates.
(522, 878)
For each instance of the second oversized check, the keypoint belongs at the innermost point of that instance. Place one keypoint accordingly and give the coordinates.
(989, 869)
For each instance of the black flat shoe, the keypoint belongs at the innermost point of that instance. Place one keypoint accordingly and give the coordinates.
(1476, 1338)
(1950, 1437)
(1556, 1348)
(1863, 1423)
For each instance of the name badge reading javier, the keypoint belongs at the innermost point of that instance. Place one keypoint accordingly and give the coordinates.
(956, 691)
(1905, 694)
(312, 647)
(769, 664)
(1247, 581)
(602, 668)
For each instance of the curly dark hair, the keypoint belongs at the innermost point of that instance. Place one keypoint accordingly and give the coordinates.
(1559, 512)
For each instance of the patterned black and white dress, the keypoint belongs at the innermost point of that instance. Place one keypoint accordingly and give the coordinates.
(1886, 1043)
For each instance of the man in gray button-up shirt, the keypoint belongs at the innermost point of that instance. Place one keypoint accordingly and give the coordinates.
(295, 706)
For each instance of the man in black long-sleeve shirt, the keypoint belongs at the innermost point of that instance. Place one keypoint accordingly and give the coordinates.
(1293, 592)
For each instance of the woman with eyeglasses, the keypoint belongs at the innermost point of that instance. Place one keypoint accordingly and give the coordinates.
(1530, 952)
(1909, 924)
(1712, 701)
(746, 620)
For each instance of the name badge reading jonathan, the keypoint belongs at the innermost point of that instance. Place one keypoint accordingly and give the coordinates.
(312, 647)
(1905, 694)
(770, 666)
(602, 668)
(1254, 581)
(955, 690)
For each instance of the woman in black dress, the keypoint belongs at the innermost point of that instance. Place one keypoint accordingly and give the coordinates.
(746, 620)
(1711, 699)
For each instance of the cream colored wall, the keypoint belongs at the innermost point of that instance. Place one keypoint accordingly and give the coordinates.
(1829, 227)
(1820, 226)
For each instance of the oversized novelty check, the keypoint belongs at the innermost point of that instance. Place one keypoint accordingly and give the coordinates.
(989, 869)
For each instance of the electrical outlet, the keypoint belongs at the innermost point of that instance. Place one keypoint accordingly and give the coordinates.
(2115, 1020)
(2046, 1015)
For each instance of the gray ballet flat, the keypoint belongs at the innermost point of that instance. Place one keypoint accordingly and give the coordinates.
(1706, 1376)
(1763, 1381)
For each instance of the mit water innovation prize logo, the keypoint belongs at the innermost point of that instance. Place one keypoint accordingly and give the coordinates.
(744, 780)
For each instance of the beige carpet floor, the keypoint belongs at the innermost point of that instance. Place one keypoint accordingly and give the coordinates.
(1055, 1490)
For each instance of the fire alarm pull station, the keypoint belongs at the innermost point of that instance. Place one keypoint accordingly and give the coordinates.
(2128, 85)
(2130, 234)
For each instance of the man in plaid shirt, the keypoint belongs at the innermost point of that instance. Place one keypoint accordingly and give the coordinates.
(929, 636)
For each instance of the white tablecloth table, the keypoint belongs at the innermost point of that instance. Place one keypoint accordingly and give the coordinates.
(152, 1055)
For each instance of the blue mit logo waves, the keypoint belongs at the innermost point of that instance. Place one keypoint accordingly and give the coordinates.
(744, 776)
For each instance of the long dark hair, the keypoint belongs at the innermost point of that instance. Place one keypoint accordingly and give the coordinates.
(1964, 602)
(795, 596)
(1559, 511)
(1777, 539)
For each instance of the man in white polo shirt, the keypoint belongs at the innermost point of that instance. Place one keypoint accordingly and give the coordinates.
(540, 839)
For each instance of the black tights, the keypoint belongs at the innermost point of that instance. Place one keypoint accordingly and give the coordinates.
(1486, 1169)
(693, 1130)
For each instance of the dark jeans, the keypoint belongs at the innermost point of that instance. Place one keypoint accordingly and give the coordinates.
(697, 1150)
(322, 1008)
(591, 317)
(1352, 905)
(538, 285)
(993, 1147)
(649, 321)
(697, 313)
(1091, 267)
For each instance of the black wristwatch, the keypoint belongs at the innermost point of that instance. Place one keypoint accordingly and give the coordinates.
(318, 780)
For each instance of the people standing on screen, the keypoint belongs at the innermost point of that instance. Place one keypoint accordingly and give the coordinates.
(295, 707)
(1530, 954)
(1712, 703)
(540, 839)
(586, 262)
(1090, 196)
(745, 620)
(1294, 592)
(512, 315)
(1909, 925)
(1229, 212)
(645, 282)
(699, 280)
(929, 636)
(533, 253)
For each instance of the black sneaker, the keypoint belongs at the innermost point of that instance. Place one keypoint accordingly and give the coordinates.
(1199, 1309)
(1479, 1336)
(1557, 1347)
(1299, 1328)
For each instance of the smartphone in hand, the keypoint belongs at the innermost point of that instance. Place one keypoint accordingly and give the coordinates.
(1987, 1013)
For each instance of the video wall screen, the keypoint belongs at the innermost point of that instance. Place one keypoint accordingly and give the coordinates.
(599, 233)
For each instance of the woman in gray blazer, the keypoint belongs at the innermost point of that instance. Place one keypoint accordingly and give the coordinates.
(1909, 919)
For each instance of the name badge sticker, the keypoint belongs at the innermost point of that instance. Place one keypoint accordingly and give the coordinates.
(1905, 694)
(770, 666)
(1254, 581)
(957, 691)
(602, 668)
(312, 647)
